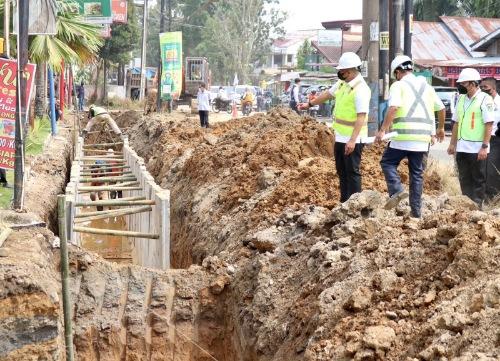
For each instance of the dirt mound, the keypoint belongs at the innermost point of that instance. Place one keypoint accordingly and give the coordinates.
(316, 280)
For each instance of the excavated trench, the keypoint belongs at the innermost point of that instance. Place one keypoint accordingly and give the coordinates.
(296, 277)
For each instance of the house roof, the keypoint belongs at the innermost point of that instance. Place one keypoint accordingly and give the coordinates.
(469, 30)
(432, 41)
(292, 39)
(484, 43)
(338, 24)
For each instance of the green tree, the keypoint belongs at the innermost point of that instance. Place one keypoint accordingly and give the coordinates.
(76, 42)
(430, 10)
(237, 36)
(118, 48)
(303, 53)
(481, 8)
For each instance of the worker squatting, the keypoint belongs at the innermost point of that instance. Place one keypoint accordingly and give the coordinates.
(410, 115)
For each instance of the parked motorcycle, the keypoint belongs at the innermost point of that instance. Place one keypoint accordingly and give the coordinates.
(313, 111)
(221, 105)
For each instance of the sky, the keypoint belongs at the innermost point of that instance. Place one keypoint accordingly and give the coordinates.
(308, 14)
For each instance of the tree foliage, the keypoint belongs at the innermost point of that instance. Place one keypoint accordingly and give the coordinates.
(430, 10)
(303, 53)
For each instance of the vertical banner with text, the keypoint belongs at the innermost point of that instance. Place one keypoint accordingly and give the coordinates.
(119, 11)
(8, 70)
(171, 60)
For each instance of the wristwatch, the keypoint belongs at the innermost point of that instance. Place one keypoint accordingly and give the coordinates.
(484, 146)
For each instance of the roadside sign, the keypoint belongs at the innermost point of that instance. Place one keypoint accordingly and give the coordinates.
(171, 63)
(384, 40)
(330, 38)
(8, 101)
(119, 11)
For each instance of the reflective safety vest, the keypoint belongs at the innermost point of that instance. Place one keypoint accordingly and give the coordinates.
(345, 114)
(415, 119)
(470, 119)
(99, 111)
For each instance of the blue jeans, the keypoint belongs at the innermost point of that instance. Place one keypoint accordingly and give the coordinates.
(416, 164)
(81, 103)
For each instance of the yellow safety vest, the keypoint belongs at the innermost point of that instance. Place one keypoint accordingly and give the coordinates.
(470, 119)
(345, 114)
(415, 119)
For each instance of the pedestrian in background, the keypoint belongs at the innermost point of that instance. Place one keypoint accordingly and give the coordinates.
(294, 96)
(489, 86)
(412, 104)
(470, 140)
(203, 105)
(80, 92)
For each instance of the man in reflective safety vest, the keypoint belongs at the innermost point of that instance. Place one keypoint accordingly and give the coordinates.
(352, 102)
(98, 114)
(470, 140)
(412, 104)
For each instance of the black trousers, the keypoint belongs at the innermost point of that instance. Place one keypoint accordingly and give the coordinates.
(203, 118)
(472, 176)
(294, 106)
(493, 169)
(348, 169)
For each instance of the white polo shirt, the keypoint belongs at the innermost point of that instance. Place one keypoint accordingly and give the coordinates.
(487, 111)
(396, 100)
(496, 116)
(361, 100)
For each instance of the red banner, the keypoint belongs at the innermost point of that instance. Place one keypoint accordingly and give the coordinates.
(452, 72)
(8, 70)
(119, 11)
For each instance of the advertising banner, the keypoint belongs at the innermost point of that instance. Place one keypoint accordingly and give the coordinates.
(95, 11)
(119, 11)
(42, 19)
(171, 59)
(8, 70)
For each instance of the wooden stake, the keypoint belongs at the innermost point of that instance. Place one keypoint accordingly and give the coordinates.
(91, 146)
(86, 167)
(113, 232)
(101, 173)
(107, 189)
(107, 179)
(111, 213)
(115, 203)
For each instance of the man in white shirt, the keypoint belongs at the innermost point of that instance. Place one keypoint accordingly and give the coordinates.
(203, 105)
(489, 86)
(412, 104)
(352, 102)
(473, 122)
(294, 96)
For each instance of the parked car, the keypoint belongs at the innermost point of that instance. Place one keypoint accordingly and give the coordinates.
(448, 96)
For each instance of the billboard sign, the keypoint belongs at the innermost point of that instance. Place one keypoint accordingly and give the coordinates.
(8, 101)
(330, 38)
(171, 60)
(119, 11)
(42, 19)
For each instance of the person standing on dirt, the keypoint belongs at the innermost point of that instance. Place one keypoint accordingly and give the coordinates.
(352, 103)
(203, 105)
(295, 96)
(412, 104)
(167, 91)
(98, 114)
(470, 140)
(489, 86)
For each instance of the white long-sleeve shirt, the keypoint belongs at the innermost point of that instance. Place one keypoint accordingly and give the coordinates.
(203, 100)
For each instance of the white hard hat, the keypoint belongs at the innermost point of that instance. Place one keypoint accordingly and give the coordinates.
(349, 60)
(469, 74)
(399, 61)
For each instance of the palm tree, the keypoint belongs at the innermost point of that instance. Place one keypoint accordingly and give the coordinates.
(76, 42)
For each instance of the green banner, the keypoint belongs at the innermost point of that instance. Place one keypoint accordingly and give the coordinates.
(94, 11)
(171, 59)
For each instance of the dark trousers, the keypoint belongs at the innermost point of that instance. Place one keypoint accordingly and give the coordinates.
(3, 176)
(416, 165)
(348, 169)
(493, 169)
(203, 118)
(294, 106)
(472, 176)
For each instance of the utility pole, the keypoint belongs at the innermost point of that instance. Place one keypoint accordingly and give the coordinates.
(143, 50)
(408, 26)
(160, 64)
(395, 28)
(169, 15)
(21, 102)
(383, 57)
(6, 28)
(370, 54)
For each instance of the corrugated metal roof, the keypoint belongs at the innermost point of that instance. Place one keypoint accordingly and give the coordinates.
(469, 30)
(487, 61)
(433, 42)
(485, 42)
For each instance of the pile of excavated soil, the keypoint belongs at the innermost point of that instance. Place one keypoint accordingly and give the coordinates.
(316, 280)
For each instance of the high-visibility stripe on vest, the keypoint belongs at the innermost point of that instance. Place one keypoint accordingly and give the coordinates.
(414, 120)
(345, 114)
(99, 111)
(470, 119)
